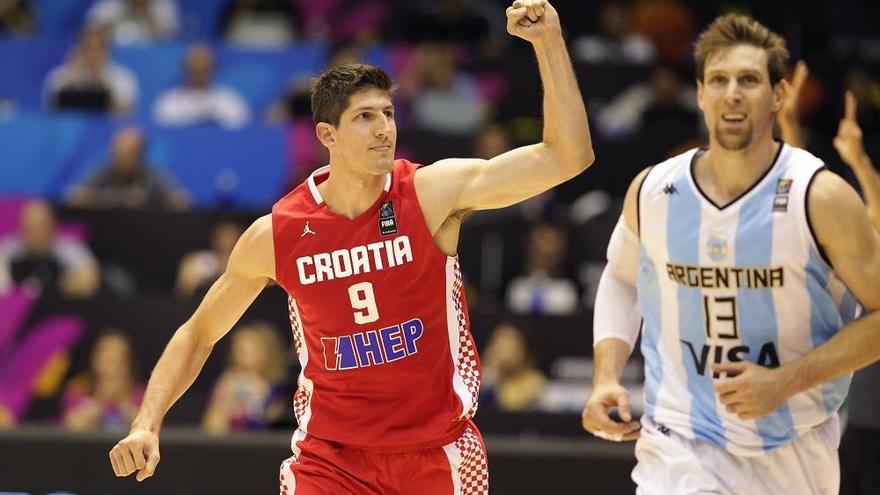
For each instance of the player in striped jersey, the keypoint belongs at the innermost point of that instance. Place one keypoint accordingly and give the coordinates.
(746, 260)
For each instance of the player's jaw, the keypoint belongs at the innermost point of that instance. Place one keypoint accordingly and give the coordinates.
(379, 156)
(734, 129)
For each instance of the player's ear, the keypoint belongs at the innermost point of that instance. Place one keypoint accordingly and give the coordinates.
(326, 134)
(780, 90)
(700, 94)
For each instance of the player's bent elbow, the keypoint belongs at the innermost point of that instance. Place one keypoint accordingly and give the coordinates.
(577, 163)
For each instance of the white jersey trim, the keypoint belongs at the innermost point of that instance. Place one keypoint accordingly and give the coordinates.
(325, 170)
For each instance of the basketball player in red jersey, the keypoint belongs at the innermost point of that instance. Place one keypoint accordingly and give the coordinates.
(365, 248)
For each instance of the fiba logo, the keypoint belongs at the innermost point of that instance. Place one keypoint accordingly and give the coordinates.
(387, 220)
(717, 246)
(386, 210)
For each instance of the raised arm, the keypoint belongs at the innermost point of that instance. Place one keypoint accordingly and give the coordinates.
(251, 266)
(849, 144)
(460, 185)
(787, 117)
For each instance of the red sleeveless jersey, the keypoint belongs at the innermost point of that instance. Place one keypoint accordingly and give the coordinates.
(379, 319)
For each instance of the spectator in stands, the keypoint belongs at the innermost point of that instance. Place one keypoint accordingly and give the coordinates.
(200, 269)
(199, 100)
(39, 257)
(263, 23)
(543, 289)
(343, 21)
(510, 379)
(615, 42)
(442, 98)
(108, 393)
(16, 18)
(295, 103)
(136, 21)
(455, 21)
(670, 26)
(493, 140)
(127, 181)
(243, 392)
(89, 81)
(664, 104)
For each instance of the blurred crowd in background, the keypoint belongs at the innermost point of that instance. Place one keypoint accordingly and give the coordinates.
(139, 137)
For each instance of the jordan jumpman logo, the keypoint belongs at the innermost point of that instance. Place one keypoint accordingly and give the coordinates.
(307, 230)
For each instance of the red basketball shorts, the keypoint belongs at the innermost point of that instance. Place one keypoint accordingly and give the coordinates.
(321, 467)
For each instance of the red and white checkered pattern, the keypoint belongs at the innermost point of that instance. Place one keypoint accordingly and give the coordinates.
(286, 480)
(467, 365)
(301, 400)
(473, 471)
(303, 396)
(295, 326)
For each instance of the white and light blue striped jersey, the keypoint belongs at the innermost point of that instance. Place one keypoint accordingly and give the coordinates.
(742, 282)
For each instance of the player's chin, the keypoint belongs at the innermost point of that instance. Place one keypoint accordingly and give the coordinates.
(383, 164)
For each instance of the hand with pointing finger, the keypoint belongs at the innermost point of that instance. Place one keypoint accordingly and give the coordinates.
(787, 117)
(848, 142)
(533, 20)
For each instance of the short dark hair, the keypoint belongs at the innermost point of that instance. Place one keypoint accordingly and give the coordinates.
(734, 29)
(332, 90)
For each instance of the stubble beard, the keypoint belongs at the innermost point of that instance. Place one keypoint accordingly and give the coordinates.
(734, 142)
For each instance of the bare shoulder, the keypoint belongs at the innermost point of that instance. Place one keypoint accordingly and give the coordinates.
(828, 186)
(439, 185)
(839, 219)
(631, 201)
(254, 253)
(432, 178)
(833, 206)
(841, 225)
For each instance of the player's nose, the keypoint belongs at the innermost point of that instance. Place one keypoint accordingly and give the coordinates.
(384, 125)
(733, 92)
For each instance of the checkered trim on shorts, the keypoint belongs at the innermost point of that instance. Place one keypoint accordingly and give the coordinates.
(286, 481)
(467, 365)
(473, 470)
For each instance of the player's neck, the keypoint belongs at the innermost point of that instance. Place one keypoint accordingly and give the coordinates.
(725, 175)
(350, 193)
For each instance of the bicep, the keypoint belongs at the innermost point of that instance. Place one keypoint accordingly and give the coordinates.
(510, 178)
(467, 184)
(842, 228)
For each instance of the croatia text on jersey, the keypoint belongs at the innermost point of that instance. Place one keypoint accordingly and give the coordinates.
(373, 347)
(344, 263)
